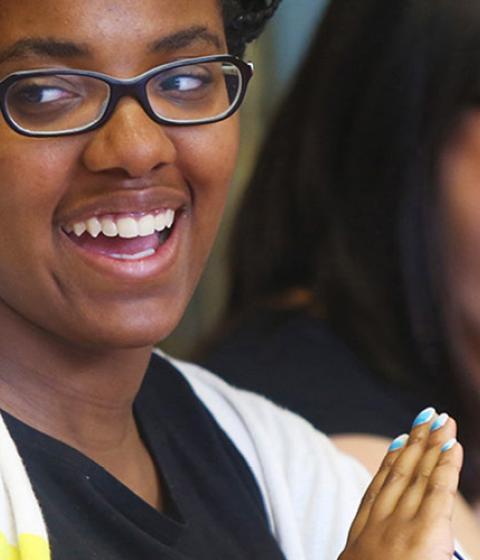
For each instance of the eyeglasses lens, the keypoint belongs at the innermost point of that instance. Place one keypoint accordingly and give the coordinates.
(195, 92)
(56, 103)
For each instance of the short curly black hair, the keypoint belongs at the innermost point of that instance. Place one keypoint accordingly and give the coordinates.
(245, 20)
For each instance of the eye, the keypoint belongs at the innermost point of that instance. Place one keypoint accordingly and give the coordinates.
(42, 95)
(182, 83)
(37, 94)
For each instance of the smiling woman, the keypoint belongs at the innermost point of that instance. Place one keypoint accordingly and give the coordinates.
(117, 145)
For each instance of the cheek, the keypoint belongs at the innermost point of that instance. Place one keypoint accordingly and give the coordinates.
(29, 193)
(38, 176)
(207, 158)
(208, 155)
(459, 210)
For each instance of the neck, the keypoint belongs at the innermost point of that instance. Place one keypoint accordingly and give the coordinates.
(82, 396)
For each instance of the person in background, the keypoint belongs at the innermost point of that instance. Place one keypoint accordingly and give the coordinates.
(354, 259)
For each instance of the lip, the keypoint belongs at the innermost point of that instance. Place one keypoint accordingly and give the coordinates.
(124, 202)
(131, 271)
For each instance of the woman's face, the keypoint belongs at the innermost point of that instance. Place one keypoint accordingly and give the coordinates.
(460, 228)
(102, 291)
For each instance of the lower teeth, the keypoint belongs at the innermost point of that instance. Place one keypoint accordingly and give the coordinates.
(136, 257)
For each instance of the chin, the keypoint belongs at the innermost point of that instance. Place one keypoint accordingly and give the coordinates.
(122, 339)
(123, 331)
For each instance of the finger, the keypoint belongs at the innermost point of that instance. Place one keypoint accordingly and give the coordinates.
(442, 430)
(441, 490)
(375, 486)
(404, 468)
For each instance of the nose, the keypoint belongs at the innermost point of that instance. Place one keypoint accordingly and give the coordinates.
(130, 141)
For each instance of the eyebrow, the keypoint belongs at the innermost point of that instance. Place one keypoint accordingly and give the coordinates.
(185, 38)
(54, 48)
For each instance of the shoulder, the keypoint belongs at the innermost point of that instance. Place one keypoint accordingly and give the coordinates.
(299, 362)
(264, 335)
(310, 489)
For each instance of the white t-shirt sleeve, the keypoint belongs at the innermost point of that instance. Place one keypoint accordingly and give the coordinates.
(310, 489)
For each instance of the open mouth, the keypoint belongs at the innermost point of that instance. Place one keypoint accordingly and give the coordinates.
(126, 237)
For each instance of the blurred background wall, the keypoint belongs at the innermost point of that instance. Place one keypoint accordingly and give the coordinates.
(276, 56)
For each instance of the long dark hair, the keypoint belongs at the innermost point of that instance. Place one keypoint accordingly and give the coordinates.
(343, 197)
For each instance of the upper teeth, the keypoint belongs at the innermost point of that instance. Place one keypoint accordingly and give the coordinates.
(126, 227)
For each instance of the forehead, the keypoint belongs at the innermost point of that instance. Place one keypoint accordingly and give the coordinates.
(119, 28)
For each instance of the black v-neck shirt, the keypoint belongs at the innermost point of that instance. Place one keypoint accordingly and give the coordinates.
(215, 510)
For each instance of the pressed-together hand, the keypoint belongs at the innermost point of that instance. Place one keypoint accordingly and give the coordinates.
(407, 510)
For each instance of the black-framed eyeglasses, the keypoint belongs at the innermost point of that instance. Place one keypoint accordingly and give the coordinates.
(63, 102)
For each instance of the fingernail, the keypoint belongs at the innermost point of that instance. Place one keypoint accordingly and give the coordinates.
(439, 422)
(450, 443)
(398, 442)
(424, 417)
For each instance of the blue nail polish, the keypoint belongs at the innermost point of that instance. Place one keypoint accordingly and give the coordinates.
(450, 443)
(424, 417)
(398, 443)
(439, 422)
